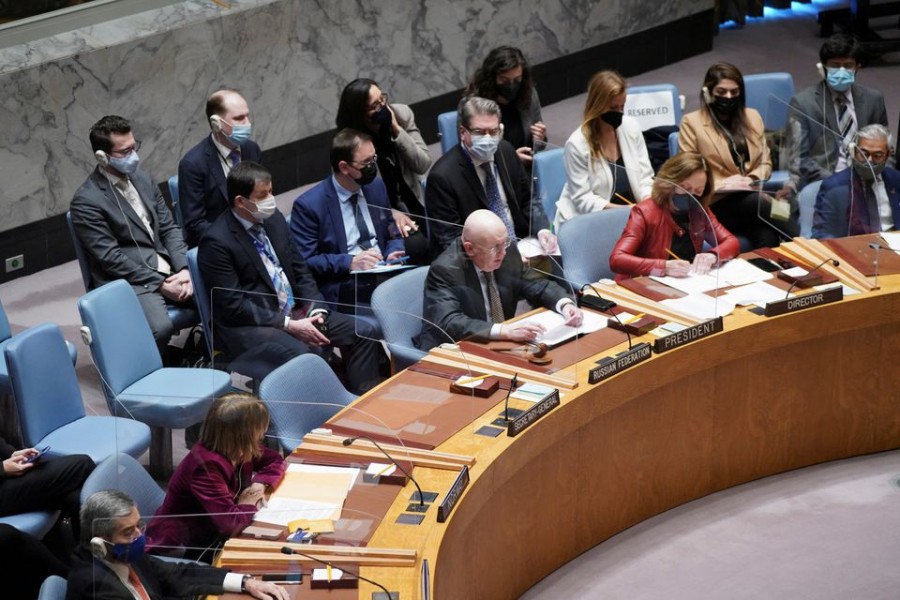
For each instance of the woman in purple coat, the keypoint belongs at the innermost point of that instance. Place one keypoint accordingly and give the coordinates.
(218, 487)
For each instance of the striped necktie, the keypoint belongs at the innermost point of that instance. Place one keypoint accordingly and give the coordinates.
(493, 196)
(494, 302)
(273, 267)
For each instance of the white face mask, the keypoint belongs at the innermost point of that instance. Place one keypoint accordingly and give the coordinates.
(265, 208)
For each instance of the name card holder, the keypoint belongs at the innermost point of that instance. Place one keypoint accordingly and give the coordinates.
(688, 335)
(789, 305)
(531, 416)
(459, 485)
(611, 365)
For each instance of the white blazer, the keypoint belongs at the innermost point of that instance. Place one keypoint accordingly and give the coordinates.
(590, 183)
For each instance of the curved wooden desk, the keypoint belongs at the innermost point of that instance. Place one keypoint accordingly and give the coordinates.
(763, 397)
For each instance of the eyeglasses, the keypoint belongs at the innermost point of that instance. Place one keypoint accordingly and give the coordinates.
(126, 151)
(378, 103)
(875, 157)
(372, 161)
(491, 132)
(495, 250)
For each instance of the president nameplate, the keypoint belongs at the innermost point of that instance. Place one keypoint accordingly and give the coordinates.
(530, 416)
(688, 335)
(789, 305)
(452, 497)
(611, 365)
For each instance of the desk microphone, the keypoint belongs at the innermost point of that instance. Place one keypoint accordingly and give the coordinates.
(876, 247)
(834, 263)
(512, 386)
(350, 440)
(289, 550)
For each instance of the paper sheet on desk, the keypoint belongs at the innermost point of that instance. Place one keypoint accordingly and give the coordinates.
(309, 492)
(530, 247)
(382, 269)
(281, 511)
(733, 272)
(700, 306)
(892, 239)
(754, 293)
(556, 331)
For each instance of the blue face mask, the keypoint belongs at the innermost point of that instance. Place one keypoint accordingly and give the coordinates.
(127, 165)
(240, 133)
(484, 146)
(129, 553)
(840, 79)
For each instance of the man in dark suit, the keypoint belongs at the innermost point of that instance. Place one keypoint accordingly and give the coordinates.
(344, 223)
(202, 171)
(110, 563)
(483, 171)
(864, 198)
(475, 284)
(126, 229)
(266, 306)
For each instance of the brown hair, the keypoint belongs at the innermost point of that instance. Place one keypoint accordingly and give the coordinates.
(675, 170)
(233, 426)
(604, 86)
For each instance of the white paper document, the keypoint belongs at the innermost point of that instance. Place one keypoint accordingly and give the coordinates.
(733, 272)
(700, 306)
(755, 293)
(281, 511)
(892, 239)
(530, 247)
(556, 331)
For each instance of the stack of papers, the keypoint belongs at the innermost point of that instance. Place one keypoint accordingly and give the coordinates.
(309, 492)
(556, 331)
(734, 272)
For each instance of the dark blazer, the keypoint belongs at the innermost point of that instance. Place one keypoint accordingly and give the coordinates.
(117, 244)
(455, 303)
(202, 195)
(91, 579)
(229, 261)
(317, 229)
(453, 191)
(833, 205)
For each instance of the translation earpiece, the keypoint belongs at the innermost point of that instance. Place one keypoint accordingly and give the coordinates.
(215, 122)
(102, 158)
(821, 70)
(98, 547)
(706, 96)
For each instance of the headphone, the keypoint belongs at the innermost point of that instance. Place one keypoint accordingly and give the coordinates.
(98, 547)
(821, 70)
(215, 123)
(102, 158)
(706, 95)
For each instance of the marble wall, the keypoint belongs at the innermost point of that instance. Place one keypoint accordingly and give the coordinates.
(290, 59)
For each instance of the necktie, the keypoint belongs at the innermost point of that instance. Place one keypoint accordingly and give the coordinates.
(135, 582)
(365, 236)
(493, 196)
(134, 201)
(235, 157)
(273, 267)
(494, 302)
(846, 121)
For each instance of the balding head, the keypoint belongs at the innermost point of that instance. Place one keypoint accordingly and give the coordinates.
(484, 239)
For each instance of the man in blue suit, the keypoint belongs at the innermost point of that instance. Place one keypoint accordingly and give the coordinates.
(344, 223)
(864, 198)
(202, 195)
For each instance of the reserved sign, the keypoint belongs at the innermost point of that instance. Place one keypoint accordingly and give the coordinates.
(651, 109)
(686, 336)
(530, 417)
(611, 365)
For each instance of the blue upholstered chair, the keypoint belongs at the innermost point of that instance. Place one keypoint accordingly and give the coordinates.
(301, 395)
(134, 380)
(587, 241)
(53, 588)
(398, 306)
(447, 130)
(5, 336)
(807, 203)
(176, 207)
(673, 144)
(201, 297)
(49, 403)
(124, 473)
(770, 94)
(549, 172)
(36, 523)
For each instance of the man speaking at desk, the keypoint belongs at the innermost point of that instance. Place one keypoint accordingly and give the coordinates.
(475, 284)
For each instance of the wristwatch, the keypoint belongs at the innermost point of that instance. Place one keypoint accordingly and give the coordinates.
(244, 582)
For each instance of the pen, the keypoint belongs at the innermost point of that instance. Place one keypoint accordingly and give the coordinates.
(384, 470)
(468, 380)
(636, 317)
(624, 199)
(393, 261)
(672, 254)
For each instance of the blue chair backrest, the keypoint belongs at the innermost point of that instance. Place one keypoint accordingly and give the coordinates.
(770, 94)
(53, 588)
(122, 472)
(806, 200)
(673, 144)
(5, 331)
(176, 207)
(80, 255)
(447, 129)
(549, 179)
(43, 381)
(587, 241)
(123, 346)
(397, 304)
(634, 91)
(201, 296)
(301, 395)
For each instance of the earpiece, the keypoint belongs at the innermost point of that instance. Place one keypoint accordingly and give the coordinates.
(851, 149)
(215, 123)
(102, 158)
(821, 70)
(706, 96)
(98, 547)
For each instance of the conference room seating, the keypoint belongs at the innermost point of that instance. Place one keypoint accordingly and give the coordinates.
(673, 144)
(53, 588)
(301, 395)
(176, 207)
(447, 129)
(549, 177)
(135, 382)
(806, 200)
(50, 406)
(770, 94)
(5, 336)
(397, 304)
(181, 316)
(587, 241)
(122, 472)
(37, 523)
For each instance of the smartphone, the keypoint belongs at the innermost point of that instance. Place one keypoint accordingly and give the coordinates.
(40, 453)
(765, 264)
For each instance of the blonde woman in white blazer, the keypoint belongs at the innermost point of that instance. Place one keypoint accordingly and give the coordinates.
(605, 137)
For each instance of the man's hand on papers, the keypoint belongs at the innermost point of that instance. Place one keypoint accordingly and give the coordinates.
(574, 316)
(521, 332)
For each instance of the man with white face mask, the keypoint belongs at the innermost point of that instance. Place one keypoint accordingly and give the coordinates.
(126, 229)
(483, 171)
(266, 306)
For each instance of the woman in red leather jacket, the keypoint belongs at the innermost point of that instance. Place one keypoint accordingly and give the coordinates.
(665, 233)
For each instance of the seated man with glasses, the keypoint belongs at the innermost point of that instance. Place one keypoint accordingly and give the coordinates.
(476, 283)
(127, 230)
(864, 198)
(344, 223)
(483, 171)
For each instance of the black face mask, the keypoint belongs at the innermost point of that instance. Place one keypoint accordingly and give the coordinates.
(382, 118)
(367, 174)
(509, 90)
(613, 118)
(726, 106)
(682, 202)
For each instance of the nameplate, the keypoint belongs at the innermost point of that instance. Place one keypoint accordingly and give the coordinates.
(452, 497)
(530, 416)
(789, 305)
(686, 336)
(611, 365)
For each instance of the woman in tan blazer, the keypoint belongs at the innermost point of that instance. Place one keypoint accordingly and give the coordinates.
(731, 137)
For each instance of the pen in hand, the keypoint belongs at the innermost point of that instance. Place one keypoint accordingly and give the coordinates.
(393, 261)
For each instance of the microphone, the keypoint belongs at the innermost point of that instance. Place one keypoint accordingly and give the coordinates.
(350, 440)
(512, 386)
(289, 550)
(876, 247)
(834, 263)
(597, 303)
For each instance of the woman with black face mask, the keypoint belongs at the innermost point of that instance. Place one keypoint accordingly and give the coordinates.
(731, 137)
(403, 157)
(505, 78)
(606, 158)
(666, 233)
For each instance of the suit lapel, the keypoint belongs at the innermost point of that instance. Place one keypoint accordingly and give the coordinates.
(826, 101)
(471, 177)
(242, 236)
(117, 198)
(333, 208)
(214, 166)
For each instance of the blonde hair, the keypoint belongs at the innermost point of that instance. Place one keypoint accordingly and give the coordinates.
(234, 425)
(675, 170)
(604, 86)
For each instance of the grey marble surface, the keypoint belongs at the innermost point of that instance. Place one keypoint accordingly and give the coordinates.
(289, 58)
